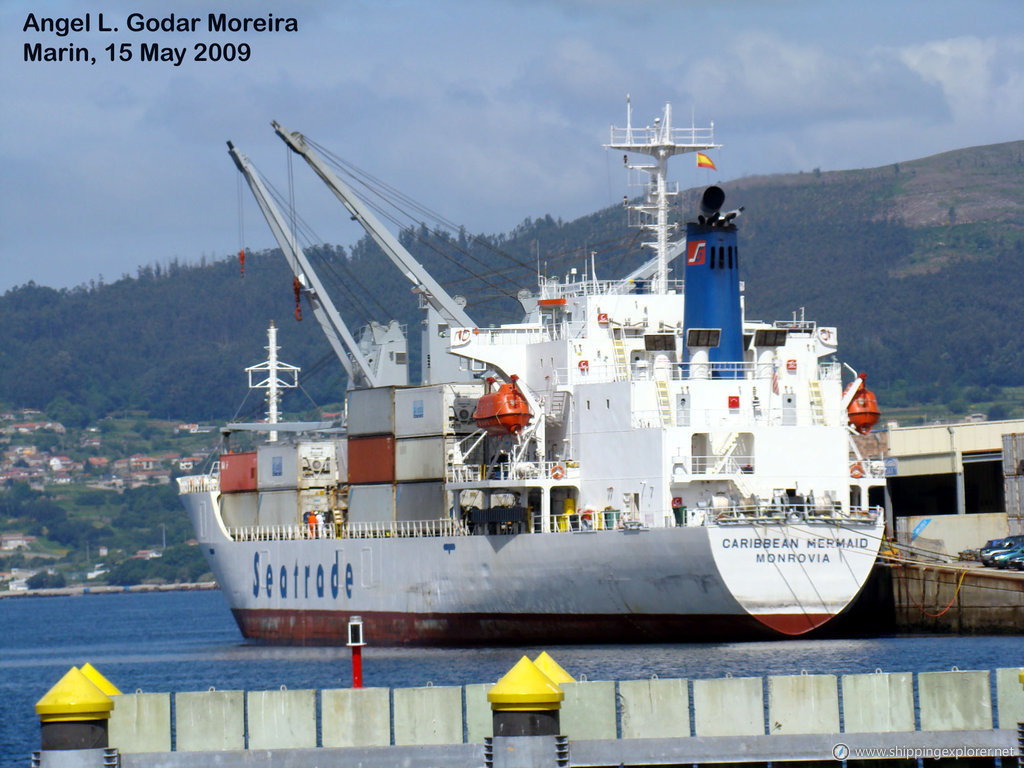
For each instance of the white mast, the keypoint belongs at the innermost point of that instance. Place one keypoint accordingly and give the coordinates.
(273, 383)
(660, 142)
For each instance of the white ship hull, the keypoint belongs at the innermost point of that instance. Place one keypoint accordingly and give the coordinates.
(676, 584)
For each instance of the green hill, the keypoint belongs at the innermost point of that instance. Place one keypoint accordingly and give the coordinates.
(920, 265)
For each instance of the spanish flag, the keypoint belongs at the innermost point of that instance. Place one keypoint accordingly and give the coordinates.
(703, 161)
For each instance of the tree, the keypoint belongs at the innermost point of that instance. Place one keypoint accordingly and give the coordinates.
(47, 580)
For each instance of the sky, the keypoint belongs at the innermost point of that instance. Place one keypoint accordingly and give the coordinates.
(488, 111)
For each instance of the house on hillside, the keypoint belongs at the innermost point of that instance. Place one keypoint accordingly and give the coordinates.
(13, 541)
(140, 463)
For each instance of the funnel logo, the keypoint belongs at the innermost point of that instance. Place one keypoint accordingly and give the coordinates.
(695, 251)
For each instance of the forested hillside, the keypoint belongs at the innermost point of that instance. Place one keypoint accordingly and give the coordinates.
(920, 265)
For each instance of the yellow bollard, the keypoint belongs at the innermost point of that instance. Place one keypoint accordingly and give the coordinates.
(552, 669)
(99, 680)
(525, 702)
(74, 714)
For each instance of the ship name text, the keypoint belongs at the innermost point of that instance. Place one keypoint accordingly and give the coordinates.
(301, 580)
(781, 542)
(780, 549)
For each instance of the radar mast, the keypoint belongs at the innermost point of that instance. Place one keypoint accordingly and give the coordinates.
(660, 142)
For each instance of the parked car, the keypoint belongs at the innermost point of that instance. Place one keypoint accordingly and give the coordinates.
(1016, 562)
(1001, 558)
(997, 547)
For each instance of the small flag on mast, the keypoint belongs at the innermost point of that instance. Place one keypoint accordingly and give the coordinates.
(703, 161)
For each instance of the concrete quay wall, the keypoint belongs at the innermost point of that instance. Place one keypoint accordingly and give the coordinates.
(668, 721)
(957, 599)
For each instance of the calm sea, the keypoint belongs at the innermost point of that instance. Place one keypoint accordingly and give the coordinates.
(187, 641)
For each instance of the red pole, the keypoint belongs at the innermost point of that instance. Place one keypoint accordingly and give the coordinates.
(357, 666)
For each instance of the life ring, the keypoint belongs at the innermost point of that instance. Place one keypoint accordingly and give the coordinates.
(584, 366)
(857, 471)
(558, 472)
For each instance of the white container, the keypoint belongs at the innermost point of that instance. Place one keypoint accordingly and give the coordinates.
(278, 508)
(1013, 496)
(318, 464)
(371, 503)
(238, 510)
(420, 411)
(276, 466)
(420, 501)
(1013, 455)
(421, 458)
(341, 457)
(371, 411)
(438, 409)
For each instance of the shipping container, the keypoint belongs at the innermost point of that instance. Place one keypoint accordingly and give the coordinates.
(420, 501)
(371, 459)
(341, 456)
(237, 472)
(1013, 455)
(314, 500)
(371, 503)
(1013, 503)
(278, 508)
(1013, 496)
(239, 510)
(318, 464)
(421, 458)
(371, 411)
(278, 466)
(421, 411)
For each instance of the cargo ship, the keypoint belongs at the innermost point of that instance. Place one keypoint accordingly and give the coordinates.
(634, 461)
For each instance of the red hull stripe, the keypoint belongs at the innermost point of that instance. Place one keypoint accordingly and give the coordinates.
(287, 627)
(794, 623)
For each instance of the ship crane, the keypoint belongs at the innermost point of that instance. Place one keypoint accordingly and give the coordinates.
(360, 371)
(437, 298)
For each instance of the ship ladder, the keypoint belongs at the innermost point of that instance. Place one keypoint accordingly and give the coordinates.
(559, 405)
(663, 403)
(817, 404)
(621, 367)
(726, 453)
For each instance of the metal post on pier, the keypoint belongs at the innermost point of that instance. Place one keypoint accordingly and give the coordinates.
(356, 643)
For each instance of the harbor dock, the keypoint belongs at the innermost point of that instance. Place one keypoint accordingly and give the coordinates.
(825, 718)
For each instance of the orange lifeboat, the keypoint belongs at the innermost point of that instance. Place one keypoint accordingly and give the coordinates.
(504, 411)
(863, 409)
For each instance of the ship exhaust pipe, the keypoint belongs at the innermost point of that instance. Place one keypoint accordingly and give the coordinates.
(713, 318)
(711, 201)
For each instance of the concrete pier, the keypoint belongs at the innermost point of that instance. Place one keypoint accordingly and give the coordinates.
(666, 722)
(957, 599)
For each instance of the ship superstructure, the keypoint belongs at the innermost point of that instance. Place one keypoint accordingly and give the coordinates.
(633, 461)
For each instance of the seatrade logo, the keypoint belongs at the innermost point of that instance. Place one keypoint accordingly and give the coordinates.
(695, 252)
(844, 752)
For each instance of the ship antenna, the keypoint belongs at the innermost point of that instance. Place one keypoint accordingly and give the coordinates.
(660, 142)
(273, 381)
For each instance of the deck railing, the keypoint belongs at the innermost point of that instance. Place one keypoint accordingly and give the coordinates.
(381, 530)
(198, 484)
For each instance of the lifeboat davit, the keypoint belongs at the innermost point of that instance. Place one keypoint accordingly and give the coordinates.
(863, 409)
(504, 411)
